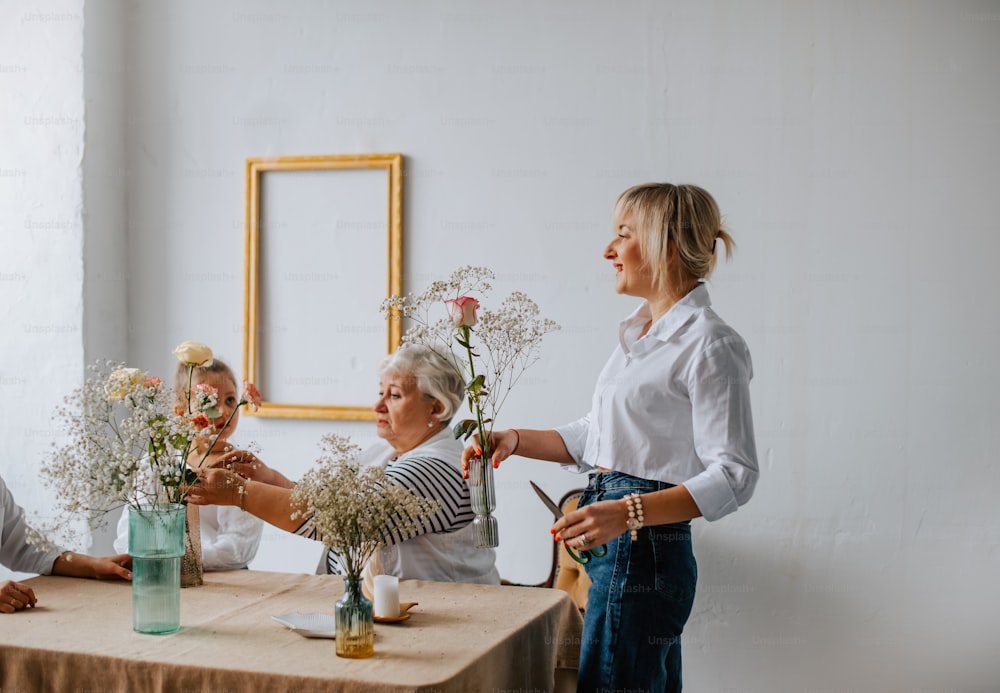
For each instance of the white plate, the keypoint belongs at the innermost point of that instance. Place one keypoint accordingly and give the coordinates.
(309, 625)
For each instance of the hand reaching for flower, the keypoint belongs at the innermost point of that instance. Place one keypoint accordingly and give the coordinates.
(249, 466)
(216, 487)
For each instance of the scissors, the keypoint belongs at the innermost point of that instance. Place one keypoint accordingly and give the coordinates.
(583, 557)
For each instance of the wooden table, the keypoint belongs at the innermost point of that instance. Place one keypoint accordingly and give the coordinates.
(460, 637)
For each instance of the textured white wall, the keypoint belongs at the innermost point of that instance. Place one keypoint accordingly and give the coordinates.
(852, 147)
(41, 231)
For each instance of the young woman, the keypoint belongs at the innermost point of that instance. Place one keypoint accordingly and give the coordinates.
(229, 536)
(669, 438)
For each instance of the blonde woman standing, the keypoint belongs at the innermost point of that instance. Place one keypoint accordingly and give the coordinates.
(669, 438)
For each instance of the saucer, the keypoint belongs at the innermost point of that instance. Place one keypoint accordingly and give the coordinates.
(391, 619)
(309, 625)
(404, 613)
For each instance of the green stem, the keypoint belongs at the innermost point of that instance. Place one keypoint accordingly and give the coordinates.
(216, 439)
(473, 398)
(484, 439)
(190, 377)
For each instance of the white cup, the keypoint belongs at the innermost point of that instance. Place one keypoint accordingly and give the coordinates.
(387, 596)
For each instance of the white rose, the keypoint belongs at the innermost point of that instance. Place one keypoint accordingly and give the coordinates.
(193, 354)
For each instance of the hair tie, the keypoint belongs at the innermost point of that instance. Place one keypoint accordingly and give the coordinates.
(713, 245)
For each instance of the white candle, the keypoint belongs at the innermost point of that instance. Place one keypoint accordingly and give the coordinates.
(387, 596)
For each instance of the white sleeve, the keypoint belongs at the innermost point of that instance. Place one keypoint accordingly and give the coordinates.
(15, 551)
(574, 437)
(723, 429)
(236, 542)
(121, 541)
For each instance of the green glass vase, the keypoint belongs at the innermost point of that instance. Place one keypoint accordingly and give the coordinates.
(156, 544)
(355, 622)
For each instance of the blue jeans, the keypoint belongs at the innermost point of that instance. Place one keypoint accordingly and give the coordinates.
(639, 601)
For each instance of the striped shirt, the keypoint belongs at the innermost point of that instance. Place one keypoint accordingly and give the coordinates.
(425, 476)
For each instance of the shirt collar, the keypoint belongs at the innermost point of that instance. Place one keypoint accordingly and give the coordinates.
(381, 454)
(695, 301)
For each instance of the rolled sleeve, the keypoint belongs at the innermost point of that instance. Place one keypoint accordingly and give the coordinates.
(574, 437)
(723, 429)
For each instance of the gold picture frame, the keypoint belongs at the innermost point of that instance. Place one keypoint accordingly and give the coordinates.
(282, 217)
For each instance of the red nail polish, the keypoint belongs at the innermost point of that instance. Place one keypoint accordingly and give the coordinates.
(558, 538)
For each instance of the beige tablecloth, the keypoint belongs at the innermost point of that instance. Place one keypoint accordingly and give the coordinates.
(459, 638)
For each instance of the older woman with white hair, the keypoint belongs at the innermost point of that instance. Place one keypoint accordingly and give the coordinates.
(419, 391)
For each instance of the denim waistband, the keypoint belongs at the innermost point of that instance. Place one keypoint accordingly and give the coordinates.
(620, 480)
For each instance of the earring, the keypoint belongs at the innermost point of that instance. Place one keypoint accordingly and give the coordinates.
(430, 424)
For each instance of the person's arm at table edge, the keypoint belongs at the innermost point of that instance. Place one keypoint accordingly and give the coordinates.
(72, 564)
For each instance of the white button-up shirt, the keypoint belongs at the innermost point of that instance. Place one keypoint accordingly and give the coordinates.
(15, 551)
(674, 406)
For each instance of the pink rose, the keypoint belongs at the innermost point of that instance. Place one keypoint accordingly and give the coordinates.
(462, 311)
(152, 382)
(252, 395)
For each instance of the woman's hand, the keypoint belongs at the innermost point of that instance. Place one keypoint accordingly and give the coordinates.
(504, 444)
(73, 564)
(249, 466)
(15, 596)
(216, 487)
(592, 525)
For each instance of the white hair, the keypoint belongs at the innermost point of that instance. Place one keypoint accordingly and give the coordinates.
(435, 376)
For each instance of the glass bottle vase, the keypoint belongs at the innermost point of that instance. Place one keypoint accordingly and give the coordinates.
(482, 494)
(355, 622)
(156, 544)
(191, 566)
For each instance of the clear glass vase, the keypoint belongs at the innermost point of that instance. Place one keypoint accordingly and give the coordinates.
(191, 567)
(355, 622)
(483, 496)
(156, 544)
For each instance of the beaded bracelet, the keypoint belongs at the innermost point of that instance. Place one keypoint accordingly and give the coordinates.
(635, 518)
(242, 492)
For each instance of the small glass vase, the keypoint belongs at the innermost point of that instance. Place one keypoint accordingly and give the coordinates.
(355, 622)
(483, 497)
(156, 544)
(191, 567)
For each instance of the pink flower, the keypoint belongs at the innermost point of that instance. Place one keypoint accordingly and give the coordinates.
(152, 382)
(252, 395)
(206, 390)
(462, 311)
(205, 396)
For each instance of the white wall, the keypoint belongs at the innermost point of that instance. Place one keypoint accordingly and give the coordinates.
(852, 147)
(41, 232)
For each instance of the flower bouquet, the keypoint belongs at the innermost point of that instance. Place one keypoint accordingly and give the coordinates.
(491, 348)
(351, 509)
(129, 445)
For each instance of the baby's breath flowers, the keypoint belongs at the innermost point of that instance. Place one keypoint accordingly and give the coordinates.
(496, 346)
(353, 509)
(127, 444)
(494, 349)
